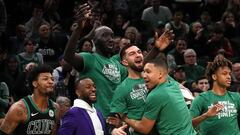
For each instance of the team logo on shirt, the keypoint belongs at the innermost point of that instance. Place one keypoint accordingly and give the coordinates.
(229, 109)
(51, 113)
(112, 72)
(139, 91)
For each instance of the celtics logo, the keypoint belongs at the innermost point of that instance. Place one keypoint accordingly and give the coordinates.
(51, 113)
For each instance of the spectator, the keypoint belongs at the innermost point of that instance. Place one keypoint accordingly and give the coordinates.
(35, 22)
(49, 45)
(235, 77)
(133, 34)
(64, 105)
(217, 43)
(202, 85)
(192, 69)
(119, 23)
(180, 28)
(177, 52)
(197, 39)
(179, 74)
(152, 15)
(85, 45)
(17, 42)
(29, 55)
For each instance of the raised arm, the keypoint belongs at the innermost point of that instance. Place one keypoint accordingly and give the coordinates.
(16, 114)
(210, 113)
(69, 53)
(160, 43)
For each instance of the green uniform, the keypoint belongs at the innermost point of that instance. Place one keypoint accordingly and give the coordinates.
(129, 98)
(225, 122)
(165, 104)
(38, 122)
(116, 57)
(106, 74)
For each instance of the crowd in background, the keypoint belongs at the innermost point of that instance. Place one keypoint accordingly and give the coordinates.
(36, 32)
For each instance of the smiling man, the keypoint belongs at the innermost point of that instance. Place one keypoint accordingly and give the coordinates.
(165, 107)
(83, 118)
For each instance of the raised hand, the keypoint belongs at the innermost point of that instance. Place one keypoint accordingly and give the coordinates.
(164, 40)
(83, 13)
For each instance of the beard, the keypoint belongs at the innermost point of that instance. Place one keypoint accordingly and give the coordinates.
(135, 68)
(88, 100)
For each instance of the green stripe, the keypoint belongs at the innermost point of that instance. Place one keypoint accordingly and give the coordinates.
(28, 110)
(35, 106)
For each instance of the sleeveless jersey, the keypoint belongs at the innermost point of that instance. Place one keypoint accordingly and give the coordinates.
(37, 122)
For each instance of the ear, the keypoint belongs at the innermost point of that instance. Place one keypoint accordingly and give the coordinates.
(34, 83)
(77, 93)
(214, 77)
(124, 62)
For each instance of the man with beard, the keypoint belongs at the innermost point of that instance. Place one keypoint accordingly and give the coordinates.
(216, 111)
(83, 118)
(129, 97)
(36, 113)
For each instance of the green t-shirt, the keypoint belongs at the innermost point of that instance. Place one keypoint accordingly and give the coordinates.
(116, 57)
(165, 104)
(129, 98)
(225, 122)
(106, 74)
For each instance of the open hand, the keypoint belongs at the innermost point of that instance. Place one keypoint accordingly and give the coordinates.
(83, 12)
(164, 40)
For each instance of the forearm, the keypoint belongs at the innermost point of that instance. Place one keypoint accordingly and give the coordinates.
(152, 54)
(197, 120)
(69, 51)
(137, 126)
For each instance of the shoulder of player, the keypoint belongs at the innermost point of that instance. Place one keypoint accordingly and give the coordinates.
(18, 110)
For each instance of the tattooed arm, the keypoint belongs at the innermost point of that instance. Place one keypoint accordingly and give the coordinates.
(16, 114)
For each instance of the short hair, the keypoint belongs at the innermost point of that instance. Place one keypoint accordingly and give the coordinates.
(62, 100)
(26, 40)
(34, 74)
(160, 61)
(122, 52)
(78, 80)
(218, 62)
(200, 78)
(189, 51)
